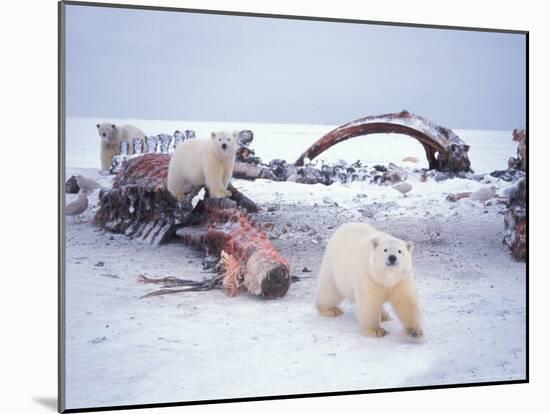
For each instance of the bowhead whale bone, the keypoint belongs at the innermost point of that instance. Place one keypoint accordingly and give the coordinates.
(445, 151)
(139, 205)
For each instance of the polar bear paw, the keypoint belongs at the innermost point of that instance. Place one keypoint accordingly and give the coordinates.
(385, 317)
(375, 332)
(414, 332)
(218, 194)
(332, 312)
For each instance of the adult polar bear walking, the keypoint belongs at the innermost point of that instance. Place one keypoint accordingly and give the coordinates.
(369, 268)
(200, 162)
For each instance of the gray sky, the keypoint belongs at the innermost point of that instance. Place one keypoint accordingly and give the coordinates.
(166, 65)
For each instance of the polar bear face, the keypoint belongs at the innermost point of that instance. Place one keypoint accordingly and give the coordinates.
(225, 143)
(391, 260)
(107, 133)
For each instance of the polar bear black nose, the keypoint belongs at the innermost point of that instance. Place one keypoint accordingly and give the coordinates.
(224, 147)
(392, 259)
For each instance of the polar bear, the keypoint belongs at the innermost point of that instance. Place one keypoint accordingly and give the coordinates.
(199, 162)
(111, 136)
(369, 268)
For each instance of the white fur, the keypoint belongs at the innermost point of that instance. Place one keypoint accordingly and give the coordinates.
(111, 136)
(355, 267)
(199, 162)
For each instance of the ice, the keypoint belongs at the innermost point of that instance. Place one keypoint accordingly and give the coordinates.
(189, 134)
(165, 141)
(152, 143)
(489, 150)
(138, 145)
(178, 138)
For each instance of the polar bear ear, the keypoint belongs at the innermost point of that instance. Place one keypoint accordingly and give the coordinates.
(410, 246)
(212, 135)
(375, 243)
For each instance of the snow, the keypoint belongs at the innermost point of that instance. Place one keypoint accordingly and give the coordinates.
(288, 141)
(121, 349)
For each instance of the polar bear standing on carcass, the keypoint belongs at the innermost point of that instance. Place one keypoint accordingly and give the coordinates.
(200, 162)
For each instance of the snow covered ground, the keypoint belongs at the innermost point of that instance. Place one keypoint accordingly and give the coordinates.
(288, 141)
(121, 349)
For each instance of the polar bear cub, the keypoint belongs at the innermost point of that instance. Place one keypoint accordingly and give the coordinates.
(369, 268)
(111, 136)
(199, 162)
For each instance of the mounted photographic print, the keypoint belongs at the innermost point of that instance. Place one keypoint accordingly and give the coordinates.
(264, 206)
